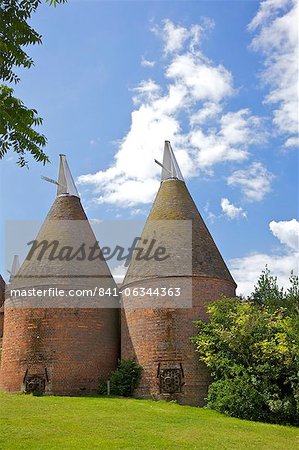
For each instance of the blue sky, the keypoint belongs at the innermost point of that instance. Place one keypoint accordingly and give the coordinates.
(112, 80)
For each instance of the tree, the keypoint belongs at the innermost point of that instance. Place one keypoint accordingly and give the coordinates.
(268, 293)
(252, 349)
(17, 122)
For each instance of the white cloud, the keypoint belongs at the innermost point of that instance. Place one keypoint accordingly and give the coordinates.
(236, 132)
(138, 212)
(292, 142)
(175, 36)
(230, 210)
(276, 27)
(246, 270)
(255, 181)
(119, 273)
(241, 128)
(147, 63)
(208, 111)
(193, 93)
(211, 217)
(287, 232)
(146, 91)
(95, 221)
(203, 80)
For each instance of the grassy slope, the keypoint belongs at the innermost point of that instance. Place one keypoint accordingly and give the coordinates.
(90, 423)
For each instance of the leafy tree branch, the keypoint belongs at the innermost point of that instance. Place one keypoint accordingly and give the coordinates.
(18, 123)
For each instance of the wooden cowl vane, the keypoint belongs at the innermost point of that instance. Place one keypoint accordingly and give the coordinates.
(156, 327)
(65, 340)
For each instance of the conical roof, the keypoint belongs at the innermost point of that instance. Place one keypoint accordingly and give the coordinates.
(172, 211)
(60, 255)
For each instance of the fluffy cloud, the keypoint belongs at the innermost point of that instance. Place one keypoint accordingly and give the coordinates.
(119, 273)
(255, 181)
(203, 81)
(208, 111)
(228, 140)
(276, 27)
(230, 210)
(147, 63)
(175, 36)
(246, 270)
(287, 233)
(193, 93)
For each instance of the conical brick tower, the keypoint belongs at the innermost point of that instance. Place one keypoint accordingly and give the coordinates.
(156, 329)
(14, 269)
(65, 340)
(2, 298)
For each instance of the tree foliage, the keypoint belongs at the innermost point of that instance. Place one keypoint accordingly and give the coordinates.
(252, 349)
(17, 124)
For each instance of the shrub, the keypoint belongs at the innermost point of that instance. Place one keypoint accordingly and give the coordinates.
(102, 387)
(237, 397)
(252, 349)
(124, 380)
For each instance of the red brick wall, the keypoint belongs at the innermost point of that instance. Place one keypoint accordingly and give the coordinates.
(1, 321)
(162, 336)
(2, 298)
(76, 346)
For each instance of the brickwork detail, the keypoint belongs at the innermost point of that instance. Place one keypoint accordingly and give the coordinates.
(70, 348)
(2, 298)
(162, 337)
(159, 337)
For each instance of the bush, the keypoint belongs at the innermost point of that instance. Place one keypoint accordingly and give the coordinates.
(252, 349)
(124, 380)
(102, 387)
(237, 397)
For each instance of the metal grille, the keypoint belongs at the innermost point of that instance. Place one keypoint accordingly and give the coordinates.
(35, 385)
(170, 381)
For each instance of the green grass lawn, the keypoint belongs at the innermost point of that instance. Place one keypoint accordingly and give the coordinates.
(28, 422)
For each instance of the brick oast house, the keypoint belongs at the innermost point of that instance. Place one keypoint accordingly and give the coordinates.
(14, 269)
(66, 348)
(159, 337)
(2, 298)
(62, 345)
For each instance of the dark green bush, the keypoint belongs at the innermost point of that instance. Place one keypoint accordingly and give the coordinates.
(124, 380)
(252, 349)
(102, 387)
(249, 398)
(237, 397)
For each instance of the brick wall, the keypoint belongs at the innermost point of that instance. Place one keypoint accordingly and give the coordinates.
(2, 298)
(75, 346)
(162, 336)
(1, 321)
(72, 347)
